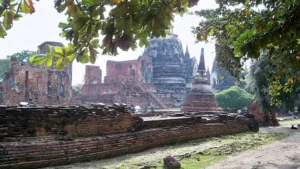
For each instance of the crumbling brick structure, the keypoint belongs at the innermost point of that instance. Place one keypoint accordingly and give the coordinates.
(139, 70)
(92, 81)
(36, 84)
(126, 82)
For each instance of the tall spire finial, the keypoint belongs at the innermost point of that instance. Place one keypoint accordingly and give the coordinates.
(208, 72)
(201, 66)
(187, 53)
(172, 29)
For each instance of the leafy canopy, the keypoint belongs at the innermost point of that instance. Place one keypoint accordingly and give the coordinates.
(127, 24)
(244, 29)
(283, 95)
(233, 98)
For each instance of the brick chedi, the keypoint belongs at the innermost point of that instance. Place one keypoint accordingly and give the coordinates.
(36, 84)
(201, 98)
(171, 68)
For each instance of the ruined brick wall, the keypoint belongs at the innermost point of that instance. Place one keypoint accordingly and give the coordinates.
(129, 92)
(140, 70)
(119, 89)
(50, 152)
(92, 81)
(1, 93)
(37, 84)
(255, 109)
(22, 123)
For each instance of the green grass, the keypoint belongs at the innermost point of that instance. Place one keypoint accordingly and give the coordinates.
(197, 162)
(246, 141)
(290, 122)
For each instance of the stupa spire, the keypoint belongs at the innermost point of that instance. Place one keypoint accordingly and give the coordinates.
(201, 66)
(207, 71)
(187, 53)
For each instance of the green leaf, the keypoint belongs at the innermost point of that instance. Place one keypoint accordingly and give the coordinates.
(2, 31)
(212, 31)
(71, 57)
(79, 23)
(95, 43)
(25, 7)
(58, 62)
(84, 56)
(60, 67)
(1, 9)
(58, 52)
(49, 62)
(62, 25)
(89, 2)
(8, 20)
(48, 48)
(40, 61)
(93, 54)
(32, 58)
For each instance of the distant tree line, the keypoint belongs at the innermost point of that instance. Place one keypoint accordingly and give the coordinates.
(22, 57)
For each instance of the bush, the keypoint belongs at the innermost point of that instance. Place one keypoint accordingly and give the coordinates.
(234, 98)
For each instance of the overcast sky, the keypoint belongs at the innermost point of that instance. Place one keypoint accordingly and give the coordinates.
(32, 30)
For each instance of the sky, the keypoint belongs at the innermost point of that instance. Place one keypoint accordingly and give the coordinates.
(32, 30)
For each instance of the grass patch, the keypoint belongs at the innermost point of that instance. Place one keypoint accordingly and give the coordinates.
(213, 155)
(198, 162)
(290, 122)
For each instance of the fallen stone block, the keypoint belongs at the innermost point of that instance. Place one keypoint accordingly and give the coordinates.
(171, 163)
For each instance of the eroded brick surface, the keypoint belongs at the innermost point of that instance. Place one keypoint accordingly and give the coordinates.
(21, 123)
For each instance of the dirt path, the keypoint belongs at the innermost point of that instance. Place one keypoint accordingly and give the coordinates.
(284, 154)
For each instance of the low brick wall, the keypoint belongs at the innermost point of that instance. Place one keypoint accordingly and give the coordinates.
(25, 123)
(52, 152)
(40, 137)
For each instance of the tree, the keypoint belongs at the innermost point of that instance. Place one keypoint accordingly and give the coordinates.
(22, 57)
(4, 67)
(76, 90)
(233, 98)
(127, 24)
(243, 29)
(264, 94)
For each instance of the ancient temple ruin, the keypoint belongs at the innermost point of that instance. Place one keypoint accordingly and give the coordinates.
(36, 84)
(172, 69)
(201, 97)
(125, 82)
(160, 78)
(43, 136)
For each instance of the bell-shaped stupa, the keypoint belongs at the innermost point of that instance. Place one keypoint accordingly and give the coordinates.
(201, 97)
